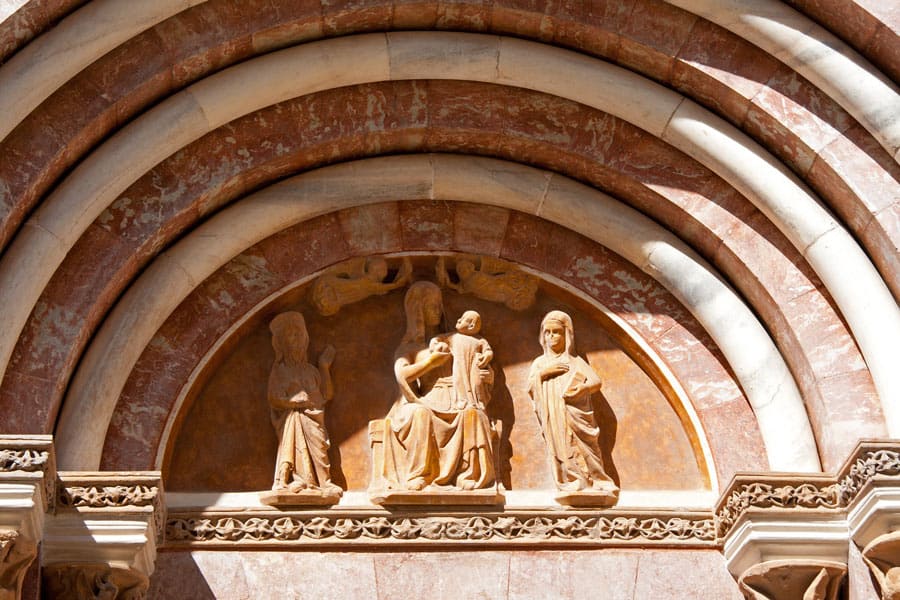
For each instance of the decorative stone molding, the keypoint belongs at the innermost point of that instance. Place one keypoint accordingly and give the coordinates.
(775, 529)
(872, 464)
(873, 491)
(27, 480)
(550, 528)
(769, 495)
(793, 580)
(98, 581)
(105, 524)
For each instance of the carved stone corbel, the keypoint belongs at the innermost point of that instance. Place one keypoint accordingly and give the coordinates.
(101, 542)
(872, 484)
(94, 581)
(16, 553)
(793, 580)
(883, 557)
(27, 487)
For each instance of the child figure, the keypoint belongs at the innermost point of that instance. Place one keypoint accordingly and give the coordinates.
(472, 374)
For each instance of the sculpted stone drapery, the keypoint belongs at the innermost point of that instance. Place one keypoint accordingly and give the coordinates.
(560, 384)
(298, 392)
(431, 437)
(354, 281)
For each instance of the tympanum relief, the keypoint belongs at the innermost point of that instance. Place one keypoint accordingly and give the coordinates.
(440, 395)
(356, 280)
(560, 384)
(495, 280)
(437, 439)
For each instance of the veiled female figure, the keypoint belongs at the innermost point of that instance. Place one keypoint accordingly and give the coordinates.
(298, 392)
(560, 384)
(427, 442)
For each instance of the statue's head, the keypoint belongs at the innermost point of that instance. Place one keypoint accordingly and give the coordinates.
(464, 268)
(557, 333)
(424, 306)
(289, 335)
(376, 268)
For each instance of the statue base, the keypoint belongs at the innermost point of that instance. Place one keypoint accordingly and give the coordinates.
(607, 495)
(287, 498)
(488, 497)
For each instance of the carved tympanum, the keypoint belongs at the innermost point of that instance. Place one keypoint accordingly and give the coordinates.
(356, 280)
(883, 557)
(298, 392)
(93, 581)
(793, 580)
(561, 383)
(16, 553)
(433, 439)
(495, 281)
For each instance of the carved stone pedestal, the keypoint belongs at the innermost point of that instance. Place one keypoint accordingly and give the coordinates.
(793, 580)
(488, 497)
(287, 498)
(607, 495)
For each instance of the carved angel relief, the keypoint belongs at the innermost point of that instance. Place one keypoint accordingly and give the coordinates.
(354, 281)
(495, 281)
(298, 393)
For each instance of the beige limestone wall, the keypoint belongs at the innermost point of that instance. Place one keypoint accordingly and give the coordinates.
(611, 574)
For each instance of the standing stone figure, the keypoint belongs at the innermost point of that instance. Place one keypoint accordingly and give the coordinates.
(560, 384)
(298, 392)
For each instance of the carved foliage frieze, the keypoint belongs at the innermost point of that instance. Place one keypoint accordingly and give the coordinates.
(498, 529)
(835, 494)
(23, 459)
(107, 496)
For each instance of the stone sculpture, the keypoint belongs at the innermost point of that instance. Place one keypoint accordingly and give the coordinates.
(427, 450)
(472, 375)
(16, 553)
(560, 384)
(495, 281)
(354, 281)
(298, 392)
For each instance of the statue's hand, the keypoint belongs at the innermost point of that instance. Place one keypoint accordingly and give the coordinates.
(327, 356)
(554, 371)
(440, 355)
(300, 399)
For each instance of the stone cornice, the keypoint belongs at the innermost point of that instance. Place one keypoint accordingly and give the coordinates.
(360, 528)
(871, 462)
